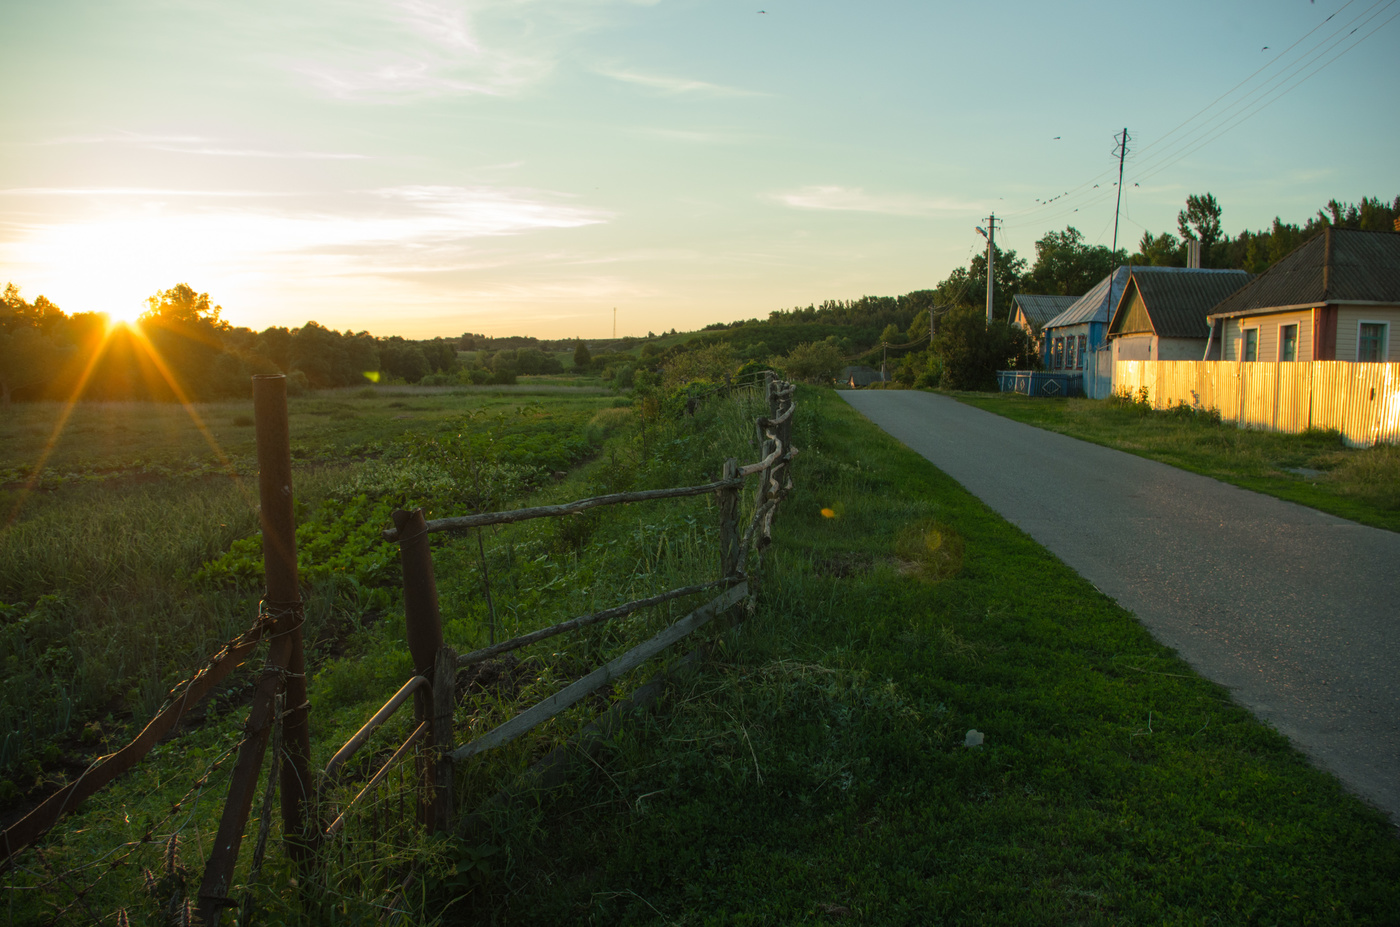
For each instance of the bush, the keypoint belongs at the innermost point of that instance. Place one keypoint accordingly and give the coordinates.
(972, 351)
(814, 362)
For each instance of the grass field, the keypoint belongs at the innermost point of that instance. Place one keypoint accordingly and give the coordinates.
(816, 771)
(819, 772)
(1313, 469)
(133, 551)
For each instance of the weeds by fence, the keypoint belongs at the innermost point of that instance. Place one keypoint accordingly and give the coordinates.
(280, 705)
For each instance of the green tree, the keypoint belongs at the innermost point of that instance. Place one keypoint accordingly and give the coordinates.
(1065, 265)
(1160, 251)
(891, 335)
(813, 362)
(967, 286)
(1200, 221)
(582, 358)
(972, 351)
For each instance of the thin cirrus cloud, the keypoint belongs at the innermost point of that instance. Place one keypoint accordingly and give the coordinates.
(417, 49)
(855, 199)
(108, 252)
(668, 84)
(199, 145)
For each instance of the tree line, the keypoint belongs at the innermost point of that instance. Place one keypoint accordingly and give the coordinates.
(182, 348)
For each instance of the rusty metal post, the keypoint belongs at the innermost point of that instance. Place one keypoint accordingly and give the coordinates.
(423, 629)
(728, 499)
(444, 704)
(286, 663)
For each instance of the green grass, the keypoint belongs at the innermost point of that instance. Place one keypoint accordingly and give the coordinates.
(817, 773)
(1362, 485)
(133, 552)
(541, 571)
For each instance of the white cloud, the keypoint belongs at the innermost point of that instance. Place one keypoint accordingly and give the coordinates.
(123, 244)
(674, 85)
(855, 199)
(200, 145)
(409, 49)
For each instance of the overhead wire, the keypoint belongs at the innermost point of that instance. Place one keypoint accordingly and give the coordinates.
(1218, 124)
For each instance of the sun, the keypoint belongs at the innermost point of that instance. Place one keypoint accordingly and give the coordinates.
(125, 315)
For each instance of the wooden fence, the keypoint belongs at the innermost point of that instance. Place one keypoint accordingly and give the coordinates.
(279, 709)
(1362, 401)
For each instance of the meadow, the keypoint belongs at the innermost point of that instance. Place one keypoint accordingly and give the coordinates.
(819, 767)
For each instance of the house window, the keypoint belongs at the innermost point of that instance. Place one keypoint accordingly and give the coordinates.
(1059, 353)
(1251, 345)
(1288, 342)
(1069, 352)
(1371, 340)
(1081, 352)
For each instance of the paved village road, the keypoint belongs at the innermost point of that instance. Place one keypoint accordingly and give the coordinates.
(1295, 611)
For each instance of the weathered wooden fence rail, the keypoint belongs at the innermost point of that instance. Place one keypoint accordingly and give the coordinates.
(280, 696)
(1362, 401)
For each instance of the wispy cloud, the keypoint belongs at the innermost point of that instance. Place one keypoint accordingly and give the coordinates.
(674, 85)
(408, 49)
(122, 244)
(690, 136)
(855, 199)
(199, 145)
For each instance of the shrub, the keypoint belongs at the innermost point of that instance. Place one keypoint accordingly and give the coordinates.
(972, 351)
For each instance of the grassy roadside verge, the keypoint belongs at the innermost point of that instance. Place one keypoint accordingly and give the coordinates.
(819, 773)
(1313, 469)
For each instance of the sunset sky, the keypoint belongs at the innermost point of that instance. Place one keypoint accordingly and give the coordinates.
(425, 167)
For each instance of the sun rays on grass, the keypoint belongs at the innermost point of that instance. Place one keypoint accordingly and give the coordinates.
(156, 372)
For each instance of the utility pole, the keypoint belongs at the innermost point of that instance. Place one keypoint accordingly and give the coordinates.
(990, 233)
(1122, 152)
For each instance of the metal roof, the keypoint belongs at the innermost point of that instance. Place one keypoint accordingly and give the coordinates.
(1041, 309)
(1098, 304)
(1177, 304)
(1338, 265)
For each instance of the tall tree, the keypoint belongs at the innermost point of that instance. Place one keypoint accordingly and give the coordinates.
(582, 357)
(1200, 221)
(1066, 265)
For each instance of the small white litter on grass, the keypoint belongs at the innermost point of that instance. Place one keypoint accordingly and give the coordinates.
(974, 738)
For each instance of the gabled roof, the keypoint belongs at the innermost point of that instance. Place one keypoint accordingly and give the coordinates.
(1337, 266)
(1177, 304)
(1098, 304)
(1041, 309)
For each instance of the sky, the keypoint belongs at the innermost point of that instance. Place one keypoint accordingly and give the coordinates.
(557, 167)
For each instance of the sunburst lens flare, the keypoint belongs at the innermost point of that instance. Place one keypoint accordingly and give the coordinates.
(124, 316)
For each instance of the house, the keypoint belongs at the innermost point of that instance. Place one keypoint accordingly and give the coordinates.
(1031, 312)
(1334, 297)
(1079, 329)
(859, 375)
(1162, 316)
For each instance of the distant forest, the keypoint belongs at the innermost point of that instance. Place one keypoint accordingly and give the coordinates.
(186, 350)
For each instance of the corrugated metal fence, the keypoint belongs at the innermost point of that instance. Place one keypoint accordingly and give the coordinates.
(1362, 401)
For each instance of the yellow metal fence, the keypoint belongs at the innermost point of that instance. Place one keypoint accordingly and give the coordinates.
(1362, 401)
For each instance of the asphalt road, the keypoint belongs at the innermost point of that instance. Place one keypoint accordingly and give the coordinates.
(1295, 611)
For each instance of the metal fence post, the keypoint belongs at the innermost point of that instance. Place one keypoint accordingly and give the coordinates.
(424, 630)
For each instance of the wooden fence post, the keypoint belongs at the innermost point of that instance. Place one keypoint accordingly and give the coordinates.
(444, 704)
(286, 669)
(424, 632)
(728, 499)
